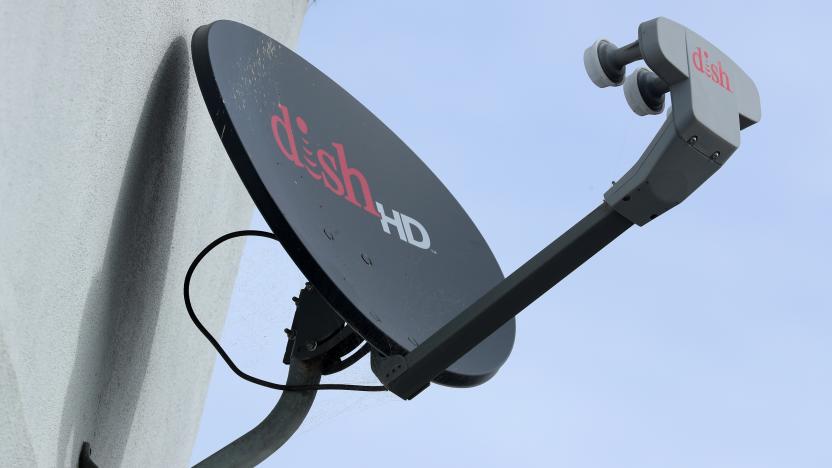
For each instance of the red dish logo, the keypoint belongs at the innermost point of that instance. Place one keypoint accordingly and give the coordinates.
(335, 173)
(714, 71)
(322, 166)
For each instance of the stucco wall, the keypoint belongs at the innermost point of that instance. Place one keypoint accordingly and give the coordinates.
(111, 180)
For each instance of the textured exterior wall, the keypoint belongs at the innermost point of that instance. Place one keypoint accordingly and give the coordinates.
(111, 180)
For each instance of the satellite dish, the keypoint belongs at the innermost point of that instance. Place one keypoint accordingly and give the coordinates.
(368, 224)
(390, 255)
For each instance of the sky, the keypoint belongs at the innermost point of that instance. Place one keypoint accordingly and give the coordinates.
(699, 340)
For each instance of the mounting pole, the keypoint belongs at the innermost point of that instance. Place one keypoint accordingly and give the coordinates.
(267, 437)
(318, 340)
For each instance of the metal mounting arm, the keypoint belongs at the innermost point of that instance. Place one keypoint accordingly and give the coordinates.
(408, 375)
(713, 99)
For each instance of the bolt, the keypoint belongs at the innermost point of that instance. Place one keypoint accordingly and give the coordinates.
(295, 299)
(308, 286)
(311, 345)
(715, 155)
(692, 140)
(289, 333)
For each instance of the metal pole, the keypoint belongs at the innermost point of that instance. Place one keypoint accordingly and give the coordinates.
(256, 445)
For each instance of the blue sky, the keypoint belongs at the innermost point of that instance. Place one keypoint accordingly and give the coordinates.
(702, 339)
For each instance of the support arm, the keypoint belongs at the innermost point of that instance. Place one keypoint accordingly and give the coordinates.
(408, 375)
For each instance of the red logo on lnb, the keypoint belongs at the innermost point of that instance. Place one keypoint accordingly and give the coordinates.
(714, 71)
(335, 173)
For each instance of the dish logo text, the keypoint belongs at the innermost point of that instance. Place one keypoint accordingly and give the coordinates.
(335, 173)
(714, 71)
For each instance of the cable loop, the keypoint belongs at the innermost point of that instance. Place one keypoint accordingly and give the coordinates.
(225, 357)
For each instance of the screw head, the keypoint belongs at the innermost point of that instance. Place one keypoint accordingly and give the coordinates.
(311, 345)
(692, 140)
(715, 155)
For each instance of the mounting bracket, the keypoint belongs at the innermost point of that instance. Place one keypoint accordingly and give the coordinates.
(318, 331)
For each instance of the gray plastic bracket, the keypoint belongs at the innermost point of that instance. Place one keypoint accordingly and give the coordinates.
(713, 99)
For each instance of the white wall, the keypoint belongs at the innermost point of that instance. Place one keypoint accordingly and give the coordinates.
(111, 180)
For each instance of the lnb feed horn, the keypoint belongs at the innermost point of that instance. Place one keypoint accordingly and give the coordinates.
(713, 99)
(606, 64)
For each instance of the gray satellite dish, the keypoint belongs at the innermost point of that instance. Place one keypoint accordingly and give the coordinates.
(393, 260)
